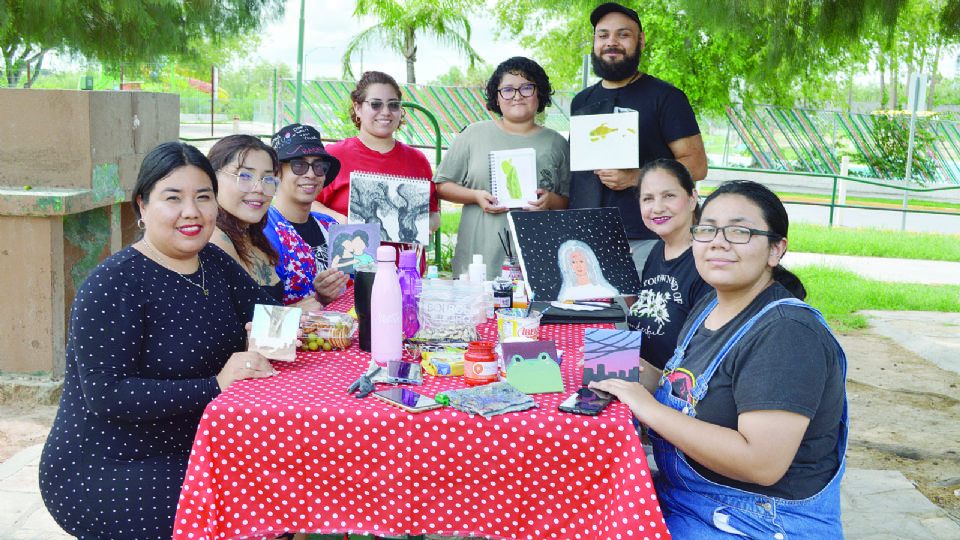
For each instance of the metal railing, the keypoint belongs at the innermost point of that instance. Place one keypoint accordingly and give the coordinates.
(836, 178)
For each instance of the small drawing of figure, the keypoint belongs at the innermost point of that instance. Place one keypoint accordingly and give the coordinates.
(580, 271)
(349, 250)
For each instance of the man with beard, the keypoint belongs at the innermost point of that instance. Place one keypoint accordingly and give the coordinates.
(667, 126)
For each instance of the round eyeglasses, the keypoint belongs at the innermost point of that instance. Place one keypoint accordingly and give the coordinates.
(299, 167)
(735, 234)
(525, 90)
(247, 182)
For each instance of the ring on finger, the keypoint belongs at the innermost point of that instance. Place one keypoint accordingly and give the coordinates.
(249, 365)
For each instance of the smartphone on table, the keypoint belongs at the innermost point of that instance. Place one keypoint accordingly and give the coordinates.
(407, 400)
(586, 401)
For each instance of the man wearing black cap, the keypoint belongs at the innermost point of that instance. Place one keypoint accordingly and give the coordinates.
(299, 235)
(667, 126)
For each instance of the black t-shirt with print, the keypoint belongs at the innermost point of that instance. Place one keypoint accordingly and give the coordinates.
(312, 234)
(668, 291)
(787, 362)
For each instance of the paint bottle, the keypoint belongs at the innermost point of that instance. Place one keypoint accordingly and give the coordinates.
(479, 364)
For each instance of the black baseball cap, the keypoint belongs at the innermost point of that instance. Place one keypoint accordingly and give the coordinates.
(612, 7)
(298, 140)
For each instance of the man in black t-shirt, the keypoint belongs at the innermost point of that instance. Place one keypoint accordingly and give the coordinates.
(667, 125)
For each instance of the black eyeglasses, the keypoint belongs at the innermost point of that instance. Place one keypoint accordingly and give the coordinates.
(735, 234)
(299, 166)
(247, 182)
(377, 104)
(509, 92)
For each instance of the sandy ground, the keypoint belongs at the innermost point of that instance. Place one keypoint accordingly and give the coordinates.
(904, 409)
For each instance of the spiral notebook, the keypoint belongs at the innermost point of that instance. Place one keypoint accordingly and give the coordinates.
(513, 176)
(401, 206)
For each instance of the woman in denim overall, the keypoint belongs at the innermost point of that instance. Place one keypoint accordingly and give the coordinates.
(763, 445)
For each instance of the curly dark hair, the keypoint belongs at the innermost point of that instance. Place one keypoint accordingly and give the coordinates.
(222, 154)
(359, 93)
(521, 67)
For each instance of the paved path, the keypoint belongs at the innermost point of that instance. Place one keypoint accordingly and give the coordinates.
(877, 505)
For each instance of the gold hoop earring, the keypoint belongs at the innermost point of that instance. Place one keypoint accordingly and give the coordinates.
(141, 225)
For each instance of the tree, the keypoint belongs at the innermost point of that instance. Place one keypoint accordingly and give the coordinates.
(477, 75)
(711, 68)
(114, 32)
(402, 20)
(782, 52)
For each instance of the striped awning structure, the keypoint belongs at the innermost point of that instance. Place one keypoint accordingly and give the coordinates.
(804, 140)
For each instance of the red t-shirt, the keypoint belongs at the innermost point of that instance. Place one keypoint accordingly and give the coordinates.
(403, 160)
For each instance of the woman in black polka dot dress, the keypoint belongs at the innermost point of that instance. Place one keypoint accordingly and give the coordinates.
(156, 332)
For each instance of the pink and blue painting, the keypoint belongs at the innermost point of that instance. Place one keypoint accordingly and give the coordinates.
(611, 354)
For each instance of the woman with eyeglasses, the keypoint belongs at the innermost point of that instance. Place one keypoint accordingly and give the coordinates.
(518, 90)
(749, 424)
(247, 171)
(377, 114)
(669, 284)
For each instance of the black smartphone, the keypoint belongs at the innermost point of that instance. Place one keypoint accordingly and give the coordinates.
(407, 400)
(586, 401)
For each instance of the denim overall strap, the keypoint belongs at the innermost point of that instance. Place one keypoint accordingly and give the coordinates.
(702, 382)
(695, 507)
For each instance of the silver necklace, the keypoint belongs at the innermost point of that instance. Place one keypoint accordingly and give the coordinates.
(203, 281)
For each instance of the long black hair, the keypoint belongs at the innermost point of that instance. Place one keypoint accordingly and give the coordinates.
(222, 154)
(774, 214)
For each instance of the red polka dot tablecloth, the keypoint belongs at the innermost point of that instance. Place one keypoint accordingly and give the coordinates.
(295, 452)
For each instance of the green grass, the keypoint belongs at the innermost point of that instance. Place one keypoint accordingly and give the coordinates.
(839, 293)
(449, 222)
(806, 238)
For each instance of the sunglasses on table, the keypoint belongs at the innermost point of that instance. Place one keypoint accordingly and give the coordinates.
(376, 105)
(735, 234)
(247, 182)
(299, 166)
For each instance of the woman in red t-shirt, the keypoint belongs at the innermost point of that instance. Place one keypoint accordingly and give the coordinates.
(377, 113)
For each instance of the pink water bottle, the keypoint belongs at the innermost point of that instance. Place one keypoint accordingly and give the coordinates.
(410, 292)
(386, 307)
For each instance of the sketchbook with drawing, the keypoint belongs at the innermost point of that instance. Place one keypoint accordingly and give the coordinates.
(513, 176)
(401, 206)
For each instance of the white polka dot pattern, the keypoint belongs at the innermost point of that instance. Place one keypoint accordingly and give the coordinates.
(296, 452)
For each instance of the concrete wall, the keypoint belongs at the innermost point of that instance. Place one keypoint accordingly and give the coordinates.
(68, 164)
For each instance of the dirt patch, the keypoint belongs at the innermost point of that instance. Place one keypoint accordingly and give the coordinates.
(904, 415)
(904, 409)
(22, 426)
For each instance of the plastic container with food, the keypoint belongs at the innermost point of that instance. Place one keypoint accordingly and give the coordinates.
(327, 330)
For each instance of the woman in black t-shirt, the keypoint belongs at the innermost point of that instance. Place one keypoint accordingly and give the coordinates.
(757, 452)
(670, 284)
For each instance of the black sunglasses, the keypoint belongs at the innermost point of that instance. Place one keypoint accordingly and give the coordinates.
(299, 166)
